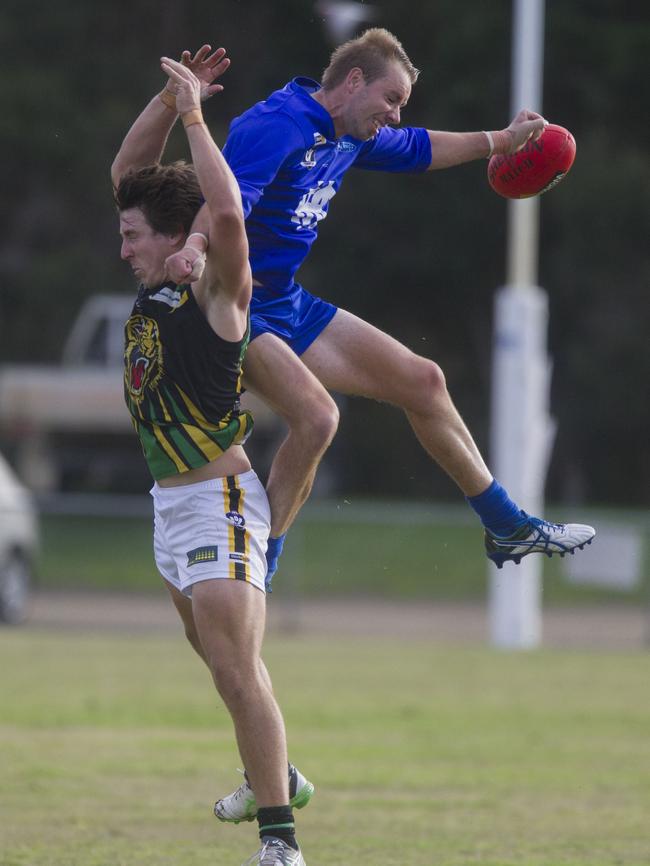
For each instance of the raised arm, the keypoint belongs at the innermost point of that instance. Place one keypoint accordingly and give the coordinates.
(145, 141)
(454, 148)
(255, 154)
(227, 277)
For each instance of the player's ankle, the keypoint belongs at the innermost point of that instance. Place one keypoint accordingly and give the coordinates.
(277, 821)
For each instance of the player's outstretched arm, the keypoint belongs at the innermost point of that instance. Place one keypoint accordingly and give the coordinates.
(227, 268)
(454, 148)
(145, 142)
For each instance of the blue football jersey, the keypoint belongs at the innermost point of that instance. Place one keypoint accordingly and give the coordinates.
(289, 165)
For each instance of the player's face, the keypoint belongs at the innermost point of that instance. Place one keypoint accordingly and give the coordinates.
(143, 248)
(371, 106)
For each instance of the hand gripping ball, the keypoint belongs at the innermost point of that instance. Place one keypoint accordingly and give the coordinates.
(537, 167)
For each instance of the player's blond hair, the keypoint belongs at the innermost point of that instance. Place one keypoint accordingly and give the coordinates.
(371, 52)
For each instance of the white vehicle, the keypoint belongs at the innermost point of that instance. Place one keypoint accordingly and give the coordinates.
(18, 544)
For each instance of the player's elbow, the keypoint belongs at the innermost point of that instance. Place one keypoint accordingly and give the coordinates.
(226, 220)
(117, 170)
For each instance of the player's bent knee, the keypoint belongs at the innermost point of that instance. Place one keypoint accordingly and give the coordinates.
(325, 422)
(316, 422)
(429, 379)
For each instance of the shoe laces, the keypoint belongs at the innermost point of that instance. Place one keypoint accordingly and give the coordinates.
(544, 527)
(243, 789)
(270, 854)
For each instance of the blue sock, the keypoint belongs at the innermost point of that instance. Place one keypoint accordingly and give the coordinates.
(273, 551)
(498, 513)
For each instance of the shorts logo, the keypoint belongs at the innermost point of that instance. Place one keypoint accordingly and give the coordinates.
(239, 557)
(202, 554)
(236, 518)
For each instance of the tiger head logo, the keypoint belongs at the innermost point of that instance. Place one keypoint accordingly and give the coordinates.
(143, 365)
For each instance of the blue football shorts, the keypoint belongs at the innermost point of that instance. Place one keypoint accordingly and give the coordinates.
(296, 317)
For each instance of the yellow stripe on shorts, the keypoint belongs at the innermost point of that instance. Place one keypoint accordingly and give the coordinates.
(238, 546)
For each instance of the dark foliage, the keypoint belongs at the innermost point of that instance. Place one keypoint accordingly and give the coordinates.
(419, 257)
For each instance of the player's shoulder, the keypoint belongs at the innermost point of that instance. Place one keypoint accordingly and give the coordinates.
(286, 111)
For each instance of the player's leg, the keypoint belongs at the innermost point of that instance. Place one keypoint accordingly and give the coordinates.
(184, 607)
(230, 617)
(356, 358)
(276, 374)
(209, 542)
(353, 357)
(241, 805)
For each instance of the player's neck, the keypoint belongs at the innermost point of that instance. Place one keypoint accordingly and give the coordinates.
(333, 105)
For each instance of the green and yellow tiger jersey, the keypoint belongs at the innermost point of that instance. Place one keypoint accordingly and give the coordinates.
(182, 382)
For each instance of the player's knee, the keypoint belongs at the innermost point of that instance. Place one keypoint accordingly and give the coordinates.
(429, 379)
(325, 422)
(316, 422)
(234, 682)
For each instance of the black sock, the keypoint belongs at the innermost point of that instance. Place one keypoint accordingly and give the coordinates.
(277, 821)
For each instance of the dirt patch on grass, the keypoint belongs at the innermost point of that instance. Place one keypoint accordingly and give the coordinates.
(612, 627)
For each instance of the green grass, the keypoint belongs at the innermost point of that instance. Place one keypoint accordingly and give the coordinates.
(113, 749)
(363, 550)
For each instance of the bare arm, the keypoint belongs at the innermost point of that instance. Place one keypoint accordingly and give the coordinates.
(227, 269)
(455, 148)
(145, 142)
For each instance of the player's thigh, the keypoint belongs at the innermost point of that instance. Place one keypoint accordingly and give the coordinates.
(273, 372)
(184, 607)
(230, 617)
(355, 358)
(182, 604)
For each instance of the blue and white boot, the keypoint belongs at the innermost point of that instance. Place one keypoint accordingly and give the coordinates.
(537, 536)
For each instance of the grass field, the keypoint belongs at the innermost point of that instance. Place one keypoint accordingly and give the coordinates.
(113, 748)
(396, 552)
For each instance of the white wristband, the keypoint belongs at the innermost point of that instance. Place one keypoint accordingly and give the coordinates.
(490, 139)
(198, 235)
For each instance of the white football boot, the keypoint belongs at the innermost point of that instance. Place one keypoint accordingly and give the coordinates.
(241, 805)
(537, 536)
(275, 852)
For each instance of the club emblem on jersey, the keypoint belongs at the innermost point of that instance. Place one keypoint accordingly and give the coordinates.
(236, 518)
(312, 207)
(309, 159)
(142, 356)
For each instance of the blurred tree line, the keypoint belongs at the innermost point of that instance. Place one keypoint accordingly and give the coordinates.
(417, 256)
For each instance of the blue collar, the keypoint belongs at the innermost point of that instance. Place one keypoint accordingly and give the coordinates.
(314, 112)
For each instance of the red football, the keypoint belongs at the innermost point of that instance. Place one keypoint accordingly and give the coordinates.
(537, 167)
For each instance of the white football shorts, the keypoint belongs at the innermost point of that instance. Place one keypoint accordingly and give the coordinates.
(212, 529)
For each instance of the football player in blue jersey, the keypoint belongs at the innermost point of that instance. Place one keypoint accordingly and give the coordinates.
(289, 154)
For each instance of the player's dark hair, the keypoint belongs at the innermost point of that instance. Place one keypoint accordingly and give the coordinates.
(169, 196)
(371, 52)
